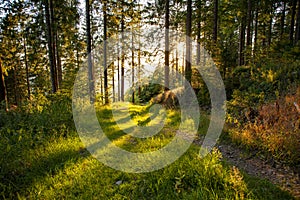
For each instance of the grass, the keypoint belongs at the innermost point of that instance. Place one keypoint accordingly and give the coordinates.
(275, 131)
(40, 163)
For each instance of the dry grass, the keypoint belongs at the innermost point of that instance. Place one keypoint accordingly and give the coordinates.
(276, 129)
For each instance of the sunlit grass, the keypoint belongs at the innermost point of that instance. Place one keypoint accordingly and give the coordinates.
(59, 167)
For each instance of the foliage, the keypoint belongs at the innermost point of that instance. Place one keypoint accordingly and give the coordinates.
(275, 130)
(44, 164)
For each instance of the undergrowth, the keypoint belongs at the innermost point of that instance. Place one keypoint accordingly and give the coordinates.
(274, 128)
(41, 157)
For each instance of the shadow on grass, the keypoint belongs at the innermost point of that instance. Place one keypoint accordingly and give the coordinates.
(25, 173)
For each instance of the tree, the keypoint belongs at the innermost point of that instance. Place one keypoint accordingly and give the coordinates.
(122, 51)
(3, 97)
(297, 36)
(167, 45)
(89, 51)
(50, 48)
(215, 30)
(242, 38)
(105, 52)
(292, 28)
(188, 58)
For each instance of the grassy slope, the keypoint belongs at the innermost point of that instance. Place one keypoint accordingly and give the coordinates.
(41, 162)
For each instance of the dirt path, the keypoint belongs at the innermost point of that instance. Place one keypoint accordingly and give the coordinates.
(278, 174)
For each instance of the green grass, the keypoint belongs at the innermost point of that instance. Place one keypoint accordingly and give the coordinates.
(40, 163)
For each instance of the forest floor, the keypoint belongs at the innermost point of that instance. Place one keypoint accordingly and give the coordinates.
(42, 160)
(257, 165)
(285, 177)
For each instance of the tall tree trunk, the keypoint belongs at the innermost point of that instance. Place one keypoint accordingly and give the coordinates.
(122, 53)
(242, 42)
(53, 38)
(27, 68)
(119, 89)
(294, 4)
(58, 64)
(282, 20)
(132, 66)
(113, 81)
(139, 70)
(183, 67)
(198, 32)
(89, 51)
(270, 31)
(215, 31)
(105, 52)
(297, 36)
(15, 85)
(3, 94)
(249, 19)
(167, 45)
(256, 28)
(50, 48)
(249, 30)
(188, 58)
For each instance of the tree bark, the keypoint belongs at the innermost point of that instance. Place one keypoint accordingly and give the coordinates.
(3, 94)
(118, 64)
(282, 20)
(58, 64)
(256, 28)
(53, 39)
(50, 49)
(215, 31)
(132, 66)
(89, 51)
(242, 42)
(27, 68)
(270, 31)
(122, 53)
(167, 47)
(198, 32)
(249, 19)
(105, 52)
(297, 36)
(292, 30)
(188, 58)
(113, 81)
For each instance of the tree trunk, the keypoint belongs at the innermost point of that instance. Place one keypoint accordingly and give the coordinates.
(132, 66)
(27, 68)
(297, 36)
(215, 31)
(294, 4)
(113, 81)
(53, 38)
(282, 21)
(249, 19)
(50, 48)
(89, 51)
(105, 53)
(3, 96)
(139, 70)
(119, 89)
(167, 48)
(270, 32)
(256, 27)
(242, 42)
(122, 54)
(58, 65)
(188, 58)
(198, 33)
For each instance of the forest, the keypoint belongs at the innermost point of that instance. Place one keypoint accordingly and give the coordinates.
(158, 99)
